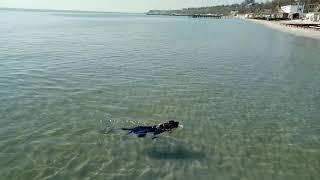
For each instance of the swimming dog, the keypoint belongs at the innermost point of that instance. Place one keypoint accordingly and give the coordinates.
(142, 131)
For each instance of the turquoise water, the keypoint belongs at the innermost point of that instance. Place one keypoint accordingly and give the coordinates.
(248, 98)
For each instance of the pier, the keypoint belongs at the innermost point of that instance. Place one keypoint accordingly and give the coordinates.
(213, 16)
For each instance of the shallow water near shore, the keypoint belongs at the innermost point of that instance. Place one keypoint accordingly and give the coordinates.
(248, 98)
(280, 26)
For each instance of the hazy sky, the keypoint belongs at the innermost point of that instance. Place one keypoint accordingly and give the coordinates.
(111, 5)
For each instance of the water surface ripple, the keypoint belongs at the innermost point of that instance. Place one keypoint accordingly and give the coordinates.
(247, 96)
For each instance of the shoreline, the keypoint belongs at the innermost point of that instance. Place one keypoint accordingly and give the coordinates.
(276, 25)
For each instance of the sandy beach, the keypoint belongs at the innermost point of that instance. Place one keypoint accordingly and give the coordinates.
(278, 25)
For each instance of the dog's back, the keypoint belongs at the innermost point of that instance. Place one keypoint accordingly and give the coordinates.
(142, 131)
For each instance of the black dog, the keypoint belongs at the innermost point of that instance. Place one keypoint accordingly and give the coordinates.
(142, 131)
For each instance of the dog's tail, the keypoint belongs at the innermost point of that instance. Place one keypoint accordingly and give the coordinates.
(127, 129)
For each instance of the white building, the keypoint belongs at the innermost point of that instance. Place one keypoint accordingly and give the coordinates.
(313, 16)
(293, 9)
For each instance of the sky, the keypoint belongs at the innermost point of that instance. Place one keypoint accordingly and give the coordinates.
(111, 5)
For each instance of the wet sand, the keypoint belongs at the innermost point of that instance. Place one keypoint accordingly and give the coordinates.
(278, 25)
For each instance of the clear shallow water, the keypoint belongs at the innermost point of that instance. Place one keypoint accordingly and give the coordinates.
(247, 96)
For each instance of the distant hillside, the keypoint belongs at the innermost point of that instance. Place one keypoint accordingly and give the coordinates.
(222, 9)
(226, 9)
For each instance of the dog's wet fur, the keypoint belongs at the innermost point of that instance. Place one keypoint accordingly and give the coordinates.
(142, 131)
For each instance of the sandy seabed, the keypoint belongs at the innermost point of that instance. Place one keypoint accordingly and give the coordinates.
(278, 25)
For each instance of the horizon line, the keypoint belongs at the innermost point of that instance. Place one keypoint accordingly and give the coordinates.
(65, 10)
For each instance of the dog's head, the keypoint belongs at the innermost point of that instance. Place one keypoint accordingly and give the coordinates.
(170, 125)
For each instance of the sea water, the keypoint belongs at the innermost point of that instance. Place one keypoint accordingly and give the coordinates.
(248, 98)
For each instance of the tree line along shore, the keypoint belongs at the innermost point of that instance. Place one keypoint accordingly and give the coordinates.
(247, 7)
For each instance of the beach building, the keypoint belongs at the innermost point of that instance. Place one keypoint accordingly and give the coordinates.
(294, 11)
(313, 9)
(249, 15)
(234, 13)
(313, 16)
(280, 14)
